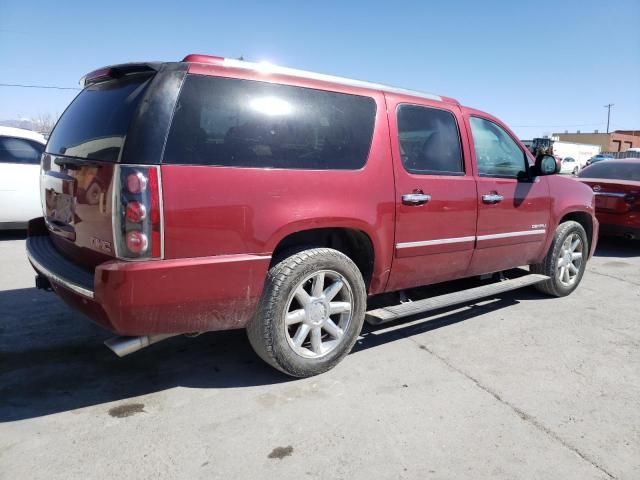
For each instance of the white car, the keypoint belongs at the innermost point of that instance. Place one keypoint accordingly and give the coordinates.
(20, 152)
(569, 165)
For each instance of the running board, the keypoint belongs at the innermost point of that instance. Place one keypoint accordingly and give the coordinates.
(394, 312)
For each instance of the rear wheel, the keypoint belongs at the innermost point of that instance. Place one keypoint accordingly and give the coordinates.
(311, 312)
(566, 260)
(575, 171)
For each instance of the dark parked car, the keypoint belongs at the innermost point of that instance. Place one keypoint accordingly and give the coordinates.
(599, 158)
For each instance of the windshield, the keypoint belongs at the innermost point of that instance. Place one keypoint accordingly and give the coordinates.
(96, 123)
(613, 170)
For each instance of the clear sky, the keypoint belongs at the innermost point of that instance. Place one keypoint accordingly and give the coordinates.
(540, 66)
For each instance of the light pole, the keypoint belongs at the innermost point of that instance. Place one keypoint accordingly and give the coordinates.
(608, 107)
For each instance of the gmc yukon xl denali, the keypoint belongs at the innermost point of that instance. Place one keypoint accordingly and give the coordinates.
(213, 194)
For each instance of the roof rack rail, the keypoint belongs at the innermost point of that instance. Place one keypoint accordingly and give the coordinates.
(267, 68)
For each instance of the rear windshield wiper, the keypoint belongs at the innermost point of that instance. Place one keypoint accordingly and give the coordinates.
(75, 163)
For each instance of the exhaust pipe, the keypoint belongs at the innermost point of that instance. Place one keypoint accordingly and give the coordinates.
(122, 346)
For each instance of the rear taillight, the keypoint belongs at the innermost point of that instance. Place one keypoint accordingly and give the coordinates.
(137, 221)
(136, 182)
(135, 212)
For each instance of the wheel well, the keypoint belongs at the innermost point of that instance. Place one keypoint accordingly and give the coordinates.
(583, 219)
(355, 244)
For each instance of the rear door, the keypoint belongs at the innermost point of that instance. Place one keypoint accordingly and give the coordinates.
(435, 193)
(513, 210)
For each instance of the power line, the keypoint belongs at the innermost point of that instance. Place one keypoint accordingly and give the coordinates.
(20, 85)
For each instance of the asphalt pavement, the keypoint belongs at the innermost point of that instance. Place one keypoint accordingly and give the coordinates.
(518, 386)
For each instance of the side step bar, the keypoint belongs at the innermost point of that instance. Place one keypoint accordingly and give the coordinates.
(394, 312)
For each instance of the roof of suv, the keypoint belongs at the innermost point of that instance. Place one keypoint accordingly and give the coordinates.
(274, 69)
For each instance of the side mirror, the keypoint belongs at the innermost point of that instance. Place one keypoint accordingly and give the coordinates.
(545, 165)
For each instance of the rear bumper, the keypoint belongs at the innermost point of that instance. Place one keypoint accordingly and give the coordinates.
(620, 224)
(153, 297)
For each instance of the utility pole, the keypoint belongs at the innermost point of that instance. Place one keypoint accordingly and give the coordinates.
(608, 107)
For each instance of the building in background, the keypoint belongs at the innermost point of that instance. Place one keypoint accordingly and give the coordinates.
(580, 152)
(618, 141)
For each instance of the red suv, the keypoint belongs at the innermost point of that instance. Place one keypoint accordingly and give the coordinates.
(214, 194)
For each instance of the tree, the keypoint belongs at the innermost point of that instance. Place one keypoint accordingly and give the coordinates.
(44, 122)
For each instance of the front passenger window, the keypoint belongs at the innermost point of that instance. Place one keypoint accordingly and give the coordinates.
(497, 154)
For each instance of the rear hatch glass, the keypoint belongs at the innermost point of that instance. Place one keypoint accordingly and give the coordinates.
(78, 167)
(95, 125)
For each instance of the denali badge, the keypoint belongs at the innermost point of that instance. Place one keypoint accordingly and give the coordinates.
(98, 244)
(536, 226)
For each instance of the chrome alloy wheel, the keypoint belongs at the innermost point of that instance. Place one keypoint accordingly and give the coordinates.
(317, 314)
(570, 260)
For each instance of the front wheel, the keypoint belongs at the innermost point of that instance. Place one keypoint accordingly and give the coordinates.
(311, 312)
(565, 261)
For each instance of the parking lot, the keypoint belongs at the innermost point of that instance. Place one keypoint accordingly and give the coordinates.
(520, 386)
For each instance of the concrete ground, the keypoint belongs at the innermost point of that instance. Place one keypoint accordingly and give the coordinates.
(521, 386)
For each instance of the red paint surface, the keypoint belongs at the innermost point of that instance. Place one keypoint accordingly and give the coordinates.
(617, 216)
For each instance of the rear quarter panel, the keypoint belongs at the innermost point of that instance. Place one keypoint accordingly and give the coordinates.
(211, 210)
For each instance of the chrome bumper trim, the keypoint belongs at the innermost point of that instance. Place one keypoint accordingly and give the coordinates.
(440, 241)
(85, 292)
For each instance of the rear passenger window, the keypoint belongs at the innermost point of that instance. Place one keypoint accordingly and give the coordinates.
(19, 150)
(244, 123)
(429, 141)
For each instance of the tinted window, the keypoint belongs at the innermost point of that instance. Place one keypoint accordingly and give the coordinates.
(429, 140)
(612, 170)
(96, 123)
(19, 150)
(242, 123)
(497, 154)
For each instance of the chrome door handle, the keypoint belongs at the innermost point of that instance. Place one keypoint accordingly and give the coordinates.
(415, 198)
(492, 198)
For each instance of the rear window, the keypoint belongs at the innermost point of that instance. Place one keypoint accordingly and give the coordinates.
(612, 170)
(95, 124)
(244, 123)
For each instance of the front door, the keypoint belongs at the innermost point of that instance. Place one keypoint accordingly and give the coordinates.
(435, 194)
(513, 209)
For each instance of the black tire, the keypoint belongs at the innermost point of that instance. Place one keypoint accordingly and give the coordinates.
(268, 333)
(549, 266)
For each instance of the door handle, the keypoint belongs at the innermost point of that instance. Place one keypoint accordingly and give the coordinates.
(415, 199)
(492, 198)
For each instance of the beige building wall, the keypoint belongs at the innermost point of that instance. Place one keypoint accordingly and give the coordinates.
(609, 142)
